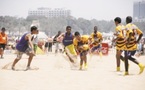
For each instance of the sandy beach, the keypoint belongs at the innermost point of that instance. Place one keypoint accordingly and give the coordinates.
(53, 72)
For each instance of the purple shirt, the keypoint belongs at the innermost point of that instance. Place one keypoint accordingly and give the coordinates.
(22, 45)
(68, 39)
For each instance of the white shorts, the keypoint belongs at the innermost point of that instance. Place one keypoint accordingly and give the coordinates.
(58, 46)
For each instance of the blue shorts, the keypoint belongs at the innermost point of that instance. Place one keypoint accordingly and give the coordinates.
(130, 53)
(95, 48)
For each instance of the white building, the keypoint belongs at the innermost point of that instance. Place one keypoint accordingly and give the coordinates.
(139, 10)
(48, 12)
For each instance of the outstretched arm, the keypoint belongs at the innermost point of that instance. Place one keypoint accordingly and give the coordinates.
(29, 37)
(140, 36)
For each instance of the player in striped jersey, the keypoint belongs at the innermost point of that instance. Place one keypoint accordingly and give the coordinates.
(132, 31)
(120, 41)
(81, 45)
(96, 40)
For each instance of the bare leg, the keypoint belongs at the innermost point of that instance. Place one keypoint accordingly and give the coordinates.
(71, 60)
(1, 52)
(133, 60)
(81, 62)
(83, 58)
(29, 62)
(118, 54)
(14, 63)
(126, 63)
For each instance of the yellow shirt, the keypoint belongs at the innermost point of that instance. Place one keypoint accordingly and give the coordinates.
(120, 33)
(83, 42)
(96, 38)
(131, 28)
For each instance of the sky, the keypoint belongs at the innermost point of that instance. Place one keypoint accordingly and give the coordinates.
(88, 9)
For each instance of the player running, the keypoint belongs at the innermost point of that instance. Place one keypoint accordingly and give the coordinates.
(132, 31)
(82, 47)
(119, 40)
(96, 40)
(67, 41)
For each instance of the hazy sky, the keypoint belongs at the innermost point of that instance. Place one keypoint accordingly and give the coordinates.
(88, 9)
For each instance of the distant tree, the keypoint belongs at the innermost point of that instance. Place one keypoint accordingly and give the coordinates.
(52, 25)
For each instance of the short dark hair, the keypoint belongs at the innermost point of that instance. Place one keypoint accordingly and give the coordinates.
(77, 33)
(33, 28)
(95, 27)
(128, 19)
(117, 19)
(3, 29)
(68, 27)
(59, 31)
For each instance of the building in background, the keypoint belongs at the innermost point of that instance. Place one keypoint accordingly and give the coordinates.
(48, 12)
(139, 10)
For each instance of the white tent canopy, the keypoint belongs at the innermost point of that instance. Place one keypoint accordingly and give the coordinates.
(42, 35)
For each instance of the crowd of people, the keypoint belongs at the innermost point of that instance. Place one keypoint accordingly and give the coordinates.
(74, 44)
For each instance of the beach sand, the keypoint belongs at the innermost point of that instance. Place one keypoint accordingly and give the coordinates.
(53, 72)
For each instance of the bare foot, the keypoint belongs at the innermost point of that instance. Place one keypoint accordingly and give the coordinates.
(13, 68)
(28, 68)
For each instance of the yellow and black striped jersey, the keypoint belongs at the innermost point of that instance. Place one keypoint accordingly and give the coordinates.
(82, 43)
(120, 34)
(131, 28)
(96, 38)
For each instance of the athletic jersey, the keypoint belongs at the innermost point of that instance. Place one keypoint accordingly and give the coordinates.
(22, 45)
(3, 38)
(83, 42)
(120, 34)
(96, 38)
(35, 39)
(131, 28)
(68, 39)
